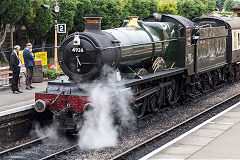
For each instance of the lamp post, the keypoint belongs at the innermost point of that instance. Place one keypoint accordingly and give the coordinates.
(56, 9)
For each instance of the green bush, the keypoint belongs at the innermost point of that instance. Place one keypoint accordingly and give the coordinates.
(228, 4)
(141, 8)
(113, 11)
(12, 11)
(167, 7)
(219, 4)
(110, 10)
(51, 73)
(210, 6)
(191, 8)
(226, 13)
(37, 20)
(83, 7)
(66, 15)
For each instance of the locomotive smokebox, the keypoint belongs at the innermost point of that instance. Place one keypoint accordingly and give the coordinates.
(83, 54)
(92, 23)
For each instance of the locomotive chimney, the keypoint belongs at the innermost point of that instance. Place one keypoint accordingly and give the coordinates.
(92, 23)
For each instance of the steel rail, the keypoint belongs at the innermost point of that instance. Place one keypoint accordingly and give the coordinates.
(25, 145)
(60, 152)
(164, 133)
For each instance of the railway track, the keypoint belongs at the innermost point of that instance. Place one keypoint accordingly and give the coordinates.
(151, 140)
(26, 146)
(22, 146)
(148, 142)
(60, 152)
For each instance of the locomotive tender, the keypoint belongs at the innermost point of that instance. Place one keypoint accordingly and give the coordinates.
(160, 59)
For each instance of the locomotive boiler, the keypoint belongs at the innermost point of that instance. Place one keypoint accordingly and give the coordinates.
(134, 46)
(161, 59)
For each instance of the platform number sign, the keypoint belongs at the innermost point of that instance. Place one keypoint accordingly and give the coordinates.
(61, 28)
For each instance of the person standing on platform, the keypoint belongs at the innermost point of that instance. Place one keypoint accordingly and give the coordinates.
(15, 64)
(28, 57)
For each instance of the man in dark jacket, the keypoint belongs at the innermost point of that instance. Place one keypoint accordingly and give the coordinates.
(28, 57)
(15, 64)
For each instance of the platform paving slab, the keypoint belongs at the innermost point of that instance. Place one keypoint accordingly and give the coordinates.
(168, 156)
(195, 140)
(218, 139)
(210, 133)
(182, 149)
(8, 100)
(217, 126)
(237, 109)
(235, 114)
(226, 146)
(227, 120)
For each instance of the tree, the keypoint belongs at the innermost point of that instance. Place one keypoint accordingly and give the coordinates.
(10, 13)
(167, 7)
(191, 8)
(38, 21)
(219, 4)
(142, 8)
(83, 7)
(236, 3)
(66, 14)
(110, 10)
(228, 4)
(210, 6)
(113, 11)
(14, 11)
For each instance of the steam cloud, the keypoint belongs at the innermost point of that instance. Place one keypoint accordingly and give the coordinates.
(110, 100)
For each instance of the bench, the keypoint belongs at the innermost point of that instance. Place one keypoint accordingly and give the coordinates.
(4, 74)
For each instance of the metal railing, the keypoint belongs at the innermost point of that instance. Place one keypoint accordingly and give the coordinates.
(6, 52)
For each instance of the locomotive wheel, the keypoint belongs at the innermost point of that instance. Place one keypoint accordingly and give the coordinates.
(158, 102)
(203, 84)
(214, 79)
(231, 75)
(153, 103)
(160, 98)
(237, 73)
(140, 108)
(172, 95)
(224, 77)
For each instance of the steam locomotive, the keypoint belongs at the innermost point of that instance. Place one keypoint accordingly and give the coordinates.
(160, 58)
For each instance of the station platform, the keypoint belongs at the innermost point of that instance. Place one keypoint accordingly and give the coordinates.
(10, 101)
(217, 138)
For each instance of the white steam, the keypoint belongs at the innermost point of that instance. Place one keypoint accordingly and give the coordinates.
(50, 132)
(110, 100)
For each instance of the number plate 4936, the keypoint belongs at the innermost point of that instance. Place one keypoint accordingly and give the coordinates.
(78, 50)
